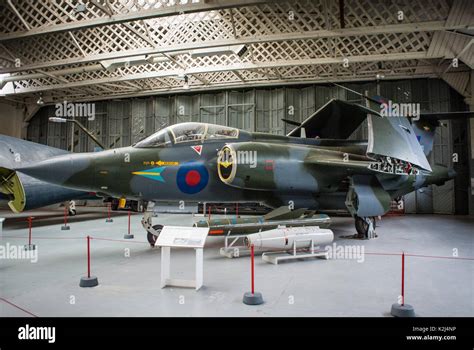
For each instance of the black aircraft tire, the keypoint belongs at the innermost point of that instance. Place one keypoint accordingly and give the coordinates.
(134, 206)
(151, 237)
(362, 227)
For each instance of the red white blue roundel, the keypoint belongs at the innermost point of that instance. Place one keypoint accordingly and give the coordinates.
(192, 177)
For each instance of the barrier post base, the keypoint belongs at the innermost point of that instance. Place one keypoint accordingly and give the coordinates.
(109, 220)
(65, 227)
(29, 246)
(253, 298)
(402, 310)
(128, 236)
(88, 281)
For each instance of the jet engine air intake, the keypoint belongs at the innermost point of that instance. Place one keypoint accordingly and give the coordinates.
(226, 167)
(265, 167)
(11, 185)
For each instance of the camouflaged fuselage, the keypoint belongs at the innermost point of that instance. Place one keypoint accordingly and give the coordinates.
(278, 170)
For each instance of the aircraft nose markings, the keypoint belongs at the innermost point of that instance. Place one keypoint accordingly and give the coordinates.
(153, 174)
(192, 177)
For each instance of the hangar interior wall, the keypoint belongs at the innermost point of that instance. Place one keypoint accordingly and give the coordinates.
(11, 119)
(122, 122)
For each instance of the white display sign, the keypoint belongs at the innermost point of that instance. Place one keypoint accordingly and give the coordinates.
(182, 236)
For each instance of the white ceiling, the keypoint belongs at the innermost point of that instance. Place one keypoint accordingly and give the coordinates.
(49, 49)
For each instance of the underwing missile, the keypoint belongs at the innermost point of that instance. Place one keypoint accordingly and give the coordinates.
(286, 238)
(238, 226)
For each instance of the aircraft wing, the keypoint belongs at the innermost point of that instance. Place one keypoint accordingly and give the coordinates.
(395, 137)
(335, 120)
(392, 137)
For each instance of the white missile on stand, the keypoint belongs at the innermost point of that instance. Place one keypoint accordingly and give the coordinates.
(286, 238)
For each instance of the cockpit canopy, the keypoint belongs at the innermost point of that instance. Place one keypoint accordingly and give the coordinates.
(187, 132)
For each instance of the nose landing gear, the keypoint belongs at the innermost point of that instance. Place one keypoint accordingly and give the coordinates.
(153, 231)
(365, 227)
(152, 237)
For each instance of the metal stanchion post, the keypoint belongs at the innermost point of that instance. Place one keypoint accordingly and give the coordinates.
(128, 235)
(252, 297)
(29, 246)
(401, 309)
(88, 281)
(65, 226)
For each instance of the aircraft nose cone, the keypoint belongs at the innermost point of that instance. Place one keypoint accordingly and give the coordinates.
(58, 170)
(452, 173)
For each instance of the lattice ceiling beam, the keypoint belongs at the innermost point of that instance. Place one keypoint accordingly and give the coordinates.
(334, 33)
(244, 66)
(20, 17)
(172, 10)
(227, 85)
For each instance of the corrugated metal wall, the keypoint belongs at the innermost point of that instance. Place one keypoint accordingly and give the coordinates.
(123, 122)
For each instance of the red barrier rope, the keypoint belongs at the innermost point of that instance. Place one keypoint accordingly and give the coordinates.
(316, 251)
(18, 307)
(388, 254)
(23, 237)
(119, 240)
(423, 256)
(438, 257)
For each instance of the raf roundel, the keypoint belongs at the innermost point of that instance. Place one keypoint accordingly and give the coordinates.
(192, 177)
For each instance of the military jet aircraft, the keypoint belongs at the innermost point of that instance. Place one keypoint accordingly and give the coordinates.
(315, 166)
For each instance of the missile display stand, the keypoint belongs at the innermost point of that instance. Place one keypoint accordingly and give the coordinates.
(232, 250)
(293, 254)
(182, 237)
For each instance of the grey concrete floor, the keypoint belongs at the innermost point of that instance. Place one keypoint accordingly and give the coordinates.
(130, 285)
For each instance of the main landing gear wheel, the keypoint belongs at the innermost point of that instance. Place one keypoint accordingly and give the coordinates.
(365, 227)
(152, 237)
